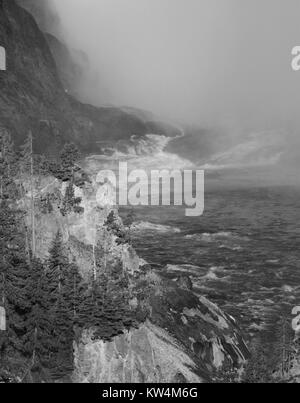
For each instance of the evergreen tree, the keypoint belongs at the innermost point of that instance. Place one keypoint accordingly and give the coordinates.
(46, 345)
(62, 362)
(27, 167)
(68, 158)
(115, 227)
(70, 202)
(106, 305)
(72, 289)
(119, 291)
(7, 165)
(283, 346)
(259, 368)
(37, 315)
(51, 284)
(61, 296)
(87, 309)
(13, 277)
(57, 263)
(128, 222)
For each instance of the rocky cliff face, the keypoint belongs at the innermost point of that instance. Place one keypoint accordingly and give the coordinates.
(190, 350)
(179, 336)
(41, 75)
(43, 12)
(32, 95)
(148, 354)
(72, 65)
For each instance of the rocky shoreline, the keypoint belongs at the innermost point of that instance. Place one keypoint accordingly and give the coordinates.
(179, 336)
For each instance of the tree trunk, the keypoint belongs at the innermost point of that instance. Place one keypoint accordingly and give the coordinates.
(32, 196)
(95, 266)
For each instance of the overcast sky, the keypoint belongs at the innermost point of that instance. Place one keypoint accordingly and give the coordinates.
(203, 61)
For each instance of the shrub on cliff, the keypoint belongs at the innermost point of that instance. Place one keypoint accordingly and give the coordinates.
(67, 166)
(115, 227)
(71, 203)
(106, 307)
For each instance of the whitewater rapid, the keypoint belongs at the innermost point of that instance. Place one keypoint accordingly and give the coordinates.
(264, 149)
(147, 153)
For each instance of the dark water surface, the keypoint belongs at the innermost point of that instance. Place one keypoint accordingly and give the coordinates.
(243, 253)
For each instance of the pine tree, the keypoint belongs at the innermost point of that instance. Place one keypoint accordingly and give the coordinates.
(72, 289)
(61, 296)
(115, 227)
(86, 314)
(103, 321)
(260, 367)
(128, 222)
(37, 315)
(18, 304)
(48, 343)
(68, 157)
(57, 263)
(284, 346)
(7, 165)
(62, 362)
(13, 276)
(106, 307)
(26, 166)
(70, 202)
(119, 290)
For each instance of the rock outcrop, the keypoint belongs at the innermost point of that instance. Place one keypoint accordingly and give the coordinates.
(187, 345)
(179, 336)
(148, 354)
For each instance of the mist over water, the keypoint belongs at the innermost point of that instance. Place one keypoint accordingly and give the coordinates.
(223, 65)
(201, 60)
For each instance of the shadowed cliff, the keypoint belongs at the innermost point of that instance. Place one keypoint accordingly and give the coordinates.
(32, 95)
(35, 90)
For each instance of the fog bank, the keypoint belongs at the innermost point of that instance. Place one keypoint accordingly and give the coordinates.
(203, 61)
